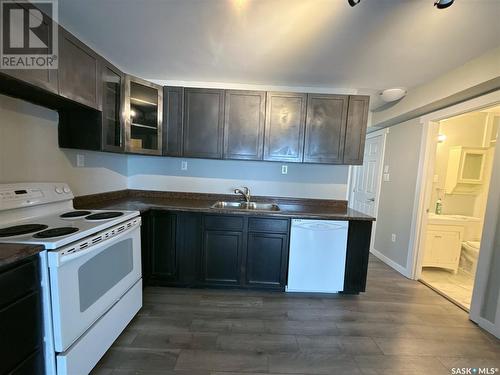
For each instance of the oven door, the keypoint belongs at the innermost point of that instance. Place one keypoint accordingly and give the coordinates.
(89, 276)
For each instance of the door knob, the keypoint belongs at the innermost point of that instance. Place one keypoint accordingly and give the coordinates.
(371, 200)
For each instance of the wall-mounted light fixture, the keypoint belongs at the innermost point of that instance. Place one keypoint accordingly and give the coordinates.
(442, 4)
(441, 138)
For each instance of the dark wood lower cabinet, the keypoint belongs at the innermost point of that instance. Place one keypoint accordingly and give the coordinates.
(192, 249)
(267, 260)
(21, 336)
(164, 256)
(358, 251)
(197, 250)
(221, 257)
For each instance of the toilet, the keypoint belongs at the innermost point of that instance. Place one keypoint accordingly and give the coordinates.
(469, 256)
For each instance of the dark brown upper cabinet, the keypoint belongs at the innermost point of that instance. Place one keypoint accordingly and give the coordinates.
(42, 78)
(244, 124)
(357, 118)
(112, 90)
(78, 71)
(285, 123)
(325, 128)
(143, 116)
(173, 112)
(203, 123)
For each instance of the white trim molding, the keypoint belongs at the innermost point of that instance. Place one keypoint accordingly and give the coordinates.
(402, 270)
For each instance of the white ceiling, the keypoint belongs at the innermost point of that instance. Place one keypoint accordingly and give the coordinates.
(308, 43)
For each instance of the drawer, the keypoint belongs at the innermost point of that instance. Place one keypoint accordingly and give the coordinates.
(20, 331)
(33, 365)
(232, 223)
(268, 225)
(18, 281)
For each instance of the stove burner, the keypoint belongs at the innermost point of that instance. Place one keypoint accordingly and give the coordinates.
(21, 229)
(73, 214)
(56, 232)
(104, 215)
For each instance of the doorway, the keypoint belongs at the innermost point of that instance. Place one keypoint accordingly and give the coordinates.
(459, 175)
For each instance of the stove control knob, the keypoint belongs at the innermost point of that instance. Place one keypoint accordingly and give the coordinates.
(59, 190)
(66, 190)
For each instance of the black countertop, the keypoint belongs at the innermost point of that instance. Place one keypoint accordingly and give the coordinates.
(189, 202)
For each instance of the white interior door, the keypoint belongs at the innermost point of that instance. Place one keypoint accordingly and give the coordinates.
(366, 182)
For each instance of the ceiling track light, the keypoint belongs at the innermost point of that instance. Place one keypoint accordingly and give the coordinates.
(353, 2)
(442, 4)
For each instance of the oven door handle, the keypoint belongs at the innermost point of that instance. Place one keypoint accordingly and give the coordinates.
(92, 244)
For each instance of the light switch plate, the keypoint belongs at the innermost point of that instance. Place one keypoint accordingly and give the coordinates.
(386, 169)
(387, 177)
(393, 237)
(284, 169)
(184, 165)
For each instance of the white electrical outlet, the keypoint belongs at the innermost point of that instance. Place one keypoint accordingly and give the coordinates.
(184, 165)
(436, 178)
(284, 169)
(393, 237)
(80, 160)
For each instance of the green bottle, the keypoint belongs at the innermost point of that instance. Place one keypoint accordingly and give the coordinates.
(439, 206)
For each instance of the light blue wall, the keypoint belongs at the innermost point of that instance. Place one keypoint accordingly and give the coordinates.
(222, 176)
(397, 196)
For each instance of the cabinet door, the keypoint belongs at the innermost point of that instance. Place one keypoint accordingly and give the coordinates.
(189, 237)
(203, 123)
(78, 71)
(357, 118)
(325, 128)
(42, 78)
(143, 116)
(164, 255)
(244, 124)
(173, 106)
(442, 248)
(221, 260)
(285, 123)
(113, 137)
(266, 260)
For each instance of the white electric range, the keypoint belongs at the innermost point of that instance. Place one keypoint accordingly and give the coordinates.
(90, 270)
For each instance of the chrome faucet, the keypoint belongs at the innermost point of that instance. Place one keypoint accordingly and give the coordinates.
(245, 192)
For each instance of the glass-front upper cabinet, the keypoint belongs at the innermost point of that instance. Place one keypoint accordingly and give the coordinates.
(143, 113)
(113, 138)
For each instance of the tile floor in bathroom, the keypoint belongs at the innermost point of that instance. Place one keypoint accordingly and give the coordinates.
(455, 286)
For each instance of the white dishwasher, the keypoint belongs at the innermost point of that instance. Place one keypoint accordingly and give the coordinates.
(317, 256)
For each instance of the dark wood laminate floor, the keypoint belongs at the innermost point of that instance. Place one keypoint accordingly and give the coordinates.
(398, 326)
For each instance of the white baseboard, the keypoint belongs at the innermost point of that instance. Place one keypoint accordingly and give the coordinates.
(402, 270)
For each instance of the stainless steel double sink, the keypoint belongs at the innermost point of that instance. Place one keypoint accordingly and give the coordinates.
(251, 206)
